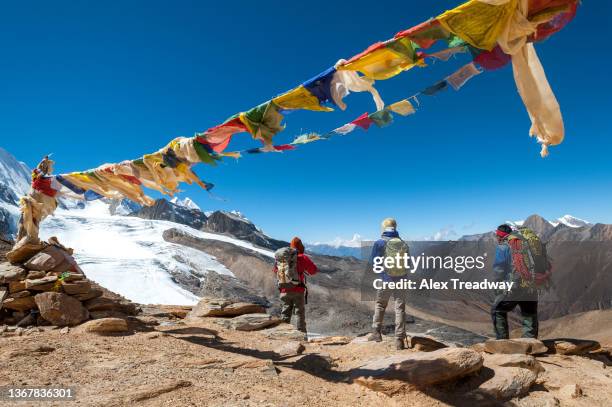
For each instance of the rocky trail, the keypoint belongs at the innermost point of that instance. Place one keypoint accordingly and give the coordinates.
(161, 359)
(231, 352)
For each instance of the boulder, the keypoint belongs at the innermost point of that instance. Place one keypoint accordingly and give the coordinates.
(19, 304)
(284, 331)
(252, 322)
(508, 382)
(571, 346)
(219, 307)
(104, 326)
(48, 259)
(9, 273)
(19, 294)
(76, 287)
(513, 375)
(33, 275)
(526, 346)
(23, 251)
(61, 309)
(15, 286)
(424, 343)
(291, 348)
(392, 373)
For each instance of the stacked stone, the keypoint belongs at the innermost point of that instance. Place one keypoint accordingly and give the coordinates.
(51, 282)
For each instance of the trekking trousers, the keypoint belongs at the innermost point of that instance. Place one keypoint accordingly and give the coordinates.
(529, 315)
(382, 299)
(294, 302)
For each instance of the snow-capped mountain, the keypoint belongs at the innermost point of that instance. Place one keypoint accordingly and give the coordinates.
(570, 221)
(14, 183)
(14, 178)
(567, 220)
(338, 247)
(185, 203)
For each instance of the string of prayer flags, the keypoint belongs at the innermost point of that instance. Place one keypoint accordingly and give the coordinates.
(495, 32)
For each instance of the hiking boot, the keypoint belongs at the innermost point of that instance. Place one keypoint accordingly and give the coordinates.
(375, 336)
(399, 344)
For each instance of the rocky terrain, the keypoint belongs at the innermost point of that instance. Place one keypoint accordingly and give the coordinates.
(230, 349)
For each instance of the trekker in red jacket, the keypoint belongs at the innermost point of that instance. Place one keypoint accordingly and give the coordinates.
(293, 298)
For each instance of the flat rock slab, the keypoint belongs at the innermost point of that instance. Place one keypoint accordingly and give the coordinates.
(565, 346)
(61, 309)
(252, 322)
(90, 295)
(284, 331)
(41, 284)
(525, 346)
(508, 382)
(331, 340)
(220, 307)
(390, 374)
(76, 287)
(104, 326)
(19, 304)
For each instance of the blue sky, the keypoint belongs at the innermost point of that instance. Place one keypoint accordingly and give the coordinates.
(95, 82)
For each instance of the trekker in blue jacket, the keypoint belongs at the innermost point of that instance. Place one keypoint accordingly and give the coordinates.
(389, 245)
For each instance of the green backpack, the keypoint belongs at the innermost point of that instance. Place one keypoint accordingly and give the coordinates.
(393, 247)
(530, 262)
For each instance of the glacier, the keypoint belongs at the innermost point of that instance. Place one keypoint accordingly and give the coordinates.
(129, 256)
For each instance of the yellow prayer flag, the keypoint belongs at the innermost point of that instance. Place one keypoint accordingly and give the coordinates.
(478, 22)
(403, 107)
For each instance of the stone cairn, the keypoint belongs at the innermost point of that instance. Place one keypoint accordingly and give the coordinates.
(42, 284)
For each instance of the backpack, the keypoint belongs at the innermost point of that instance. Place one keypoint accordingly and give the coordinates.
(530, 263)
(286, 267)
(393, 247)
